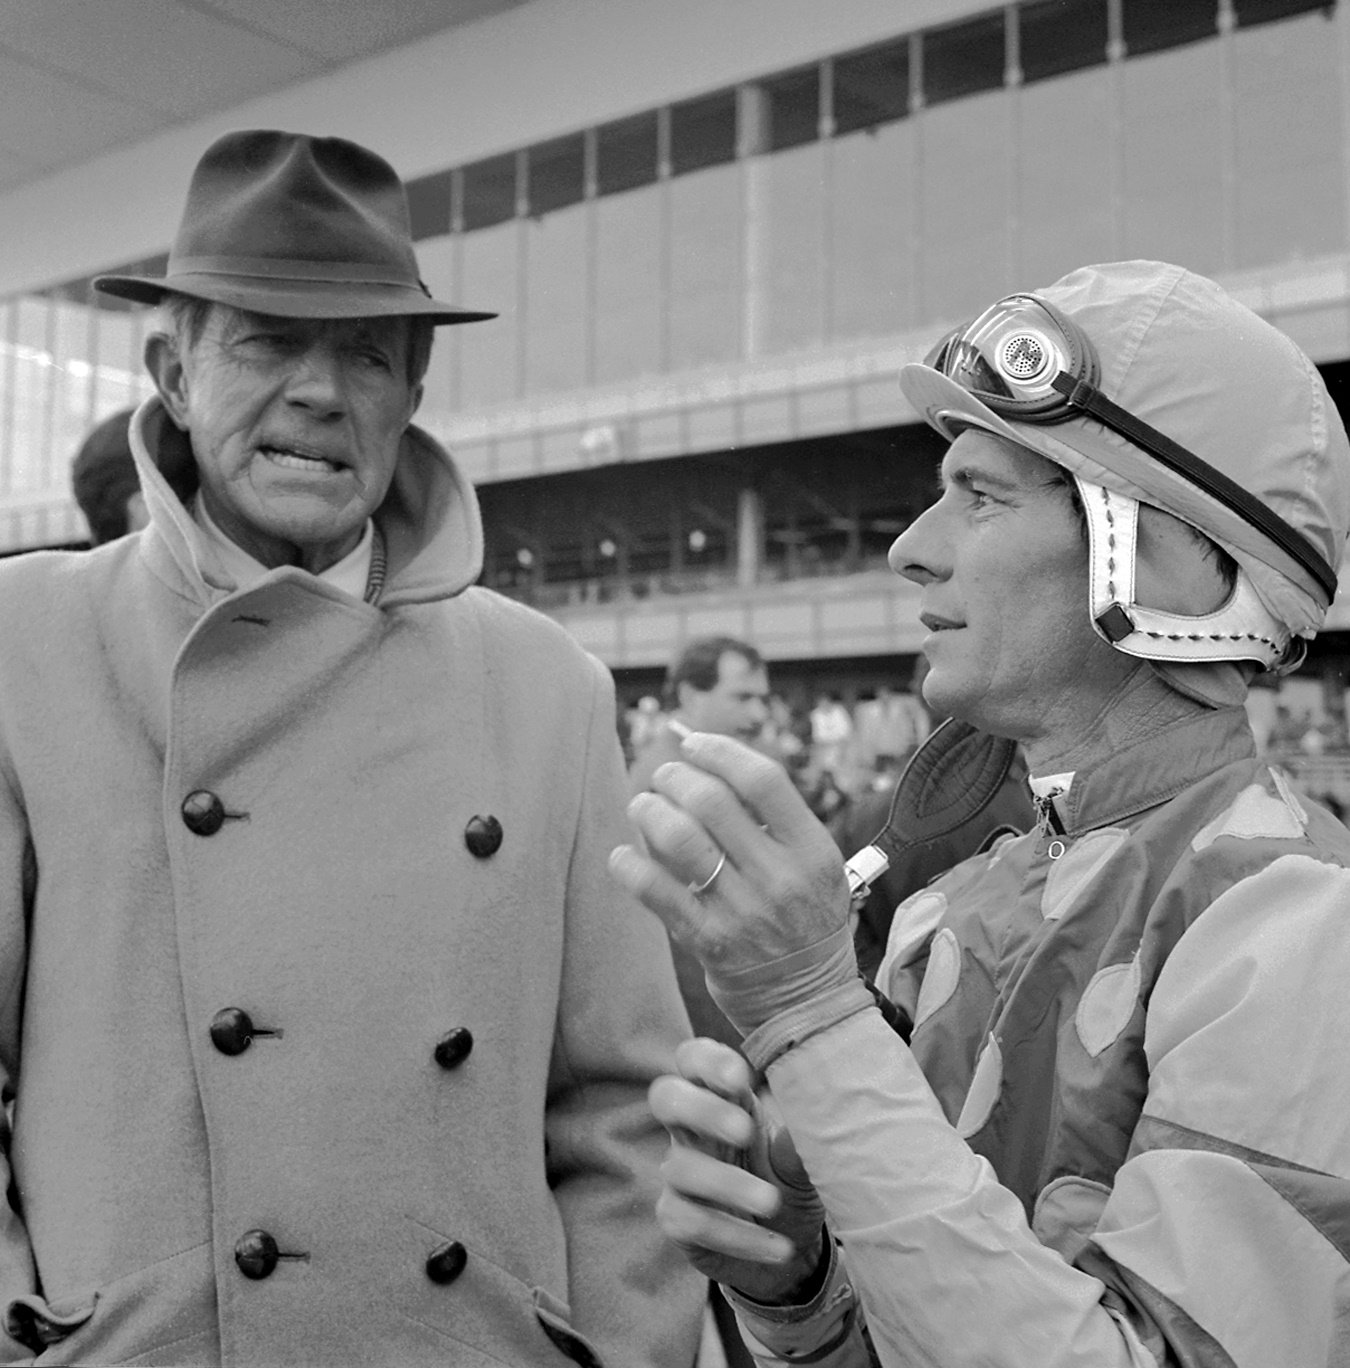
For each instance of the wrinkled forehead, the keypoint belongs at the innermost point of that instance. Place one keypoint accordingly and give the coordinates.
(232, 322)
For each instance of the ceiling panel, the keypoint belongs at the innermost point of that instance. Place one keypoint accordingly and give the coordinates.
(81, 77)
(46, 121)
(156, 52)
(340, 30)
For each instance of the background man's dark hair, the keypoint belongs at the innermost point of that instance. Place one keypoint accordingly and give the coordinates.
(103, 477)
(697, 664)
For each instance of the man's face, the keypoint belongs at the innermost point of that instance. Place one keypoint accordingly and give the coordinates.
(737, 705)
(1003, 564)
(295, 425)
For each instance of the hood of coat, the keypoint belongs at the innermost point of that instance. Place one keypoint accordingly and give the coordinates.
(430, 521)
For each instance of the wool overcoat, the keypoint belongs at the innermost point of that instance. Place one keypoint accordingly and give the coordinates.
(326, 1031)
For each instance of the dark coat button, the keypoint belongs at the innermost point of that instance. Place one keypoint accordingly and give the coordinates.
(483, 836)
(232, 1031)
(445, 1264)
(256, 1254)
(453, 1048)
(203, 812)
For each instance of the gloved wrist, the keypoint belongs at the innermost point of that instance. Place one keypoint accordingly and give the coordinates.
(752, 997)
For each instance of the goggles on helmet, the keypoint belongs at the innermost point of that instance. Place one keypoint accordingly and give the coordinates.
(1029, 363)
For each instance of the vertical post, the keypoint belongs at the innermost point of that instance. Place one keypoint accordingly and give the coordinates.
(917, 216)
(591, 192)
(1116, 124)
(456, 340)
(9, 398)
(663, 175)
(752, 140)
(749, 536)
(52, 388)
(1226, 21)
(1012, 82)
(522, 266)
(93, 318)
(826, 134)
(677, 537)
(1341, 17)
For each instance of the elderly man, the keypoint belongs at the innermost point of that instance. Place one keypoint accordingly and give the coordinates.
(1120, 1134)
(327, 1033)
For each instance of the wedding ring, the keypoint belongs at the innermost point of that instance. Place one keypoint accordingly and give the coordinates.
(697, 889)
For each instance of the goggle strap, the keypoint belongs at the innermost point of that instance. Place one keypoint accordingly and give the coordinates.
(1088, 399)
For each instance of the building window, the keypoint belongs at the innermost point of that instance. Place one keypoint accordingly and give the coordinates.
(1152, 25)
(964, 59)
(703, 132)
(872, 87)
(557, 174)
(1059, 36)
(429, 205)
(1251, 12)
(626, 154)
(793, 100)
(490, 192)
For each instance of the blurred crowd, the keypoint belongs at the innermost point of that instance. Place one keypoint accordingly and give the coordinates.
(835, 752)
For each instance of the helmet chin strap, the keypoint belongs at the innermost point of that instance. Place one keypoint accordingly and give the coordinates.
(1241, 628)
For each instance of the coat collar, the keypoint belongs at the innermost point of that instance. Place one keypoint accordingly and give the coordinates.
(432, 529)
(1155, 769)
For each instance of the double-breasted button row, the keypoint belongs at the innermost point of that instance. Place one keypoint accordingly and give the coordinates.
(232, 1032)
(256, 1253)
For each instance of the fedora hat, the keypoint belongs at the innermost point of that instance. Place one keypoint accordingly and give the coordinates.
(296, 226)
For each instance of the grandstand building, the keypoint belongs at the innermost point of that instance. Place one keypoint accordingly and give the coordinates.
(713, 231)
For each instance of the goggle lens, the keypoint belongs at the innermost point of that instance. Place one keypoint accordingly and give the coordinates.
(1009, 356)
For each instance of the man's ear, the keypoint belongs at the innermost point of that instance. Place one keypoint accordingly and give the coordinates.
(166, 369)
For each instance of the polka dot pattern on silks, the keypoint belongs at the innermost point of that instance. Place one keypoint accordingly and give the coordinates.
(1255, 814)
(985, 1086)
(941, 977)
(1107, 1004)
(1077, 867)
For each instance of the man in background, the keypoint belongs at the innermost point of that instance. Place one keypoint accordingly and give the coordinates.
(716, 684)
(104, 481)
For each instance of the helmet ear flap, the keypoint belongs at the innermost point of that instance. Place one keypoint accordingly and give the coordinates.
(1241, 628)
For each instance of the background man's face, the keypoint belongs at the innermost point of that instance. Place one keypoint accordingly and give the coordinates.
(737, 705)
(1002, 561)
(295, 426)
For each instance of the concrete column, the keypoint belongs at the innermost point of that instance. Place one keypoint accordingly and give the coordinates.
(752, 142)
(749, 536)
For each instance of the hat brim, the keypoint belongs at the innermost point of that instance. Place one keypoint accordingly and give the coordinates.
(1086, 448)
(292, 298)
